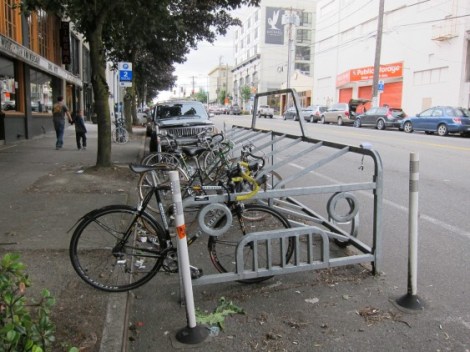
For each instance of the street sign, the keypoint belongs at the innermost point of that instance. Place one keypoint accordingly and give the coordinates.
(125, 74)
(380, 86)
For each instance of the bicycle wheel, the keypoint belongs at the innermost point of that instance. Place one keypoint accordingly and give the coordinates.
(120, 135)
(145, 185)
(161, 158)
(103, 261)
(253, 218)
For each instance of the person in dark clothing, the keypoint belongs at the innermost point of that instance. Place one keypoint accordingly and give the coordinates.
(80, 131)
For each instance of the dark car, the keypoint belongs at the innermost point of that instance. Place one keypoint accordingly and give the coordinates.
(439, 119)
(291, 114)
(181, 119)
(234, 110)
(313, 113)
(381, 118)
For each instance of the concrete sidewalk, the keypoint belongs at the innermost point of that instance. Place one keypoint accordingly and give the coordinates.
(44, 192)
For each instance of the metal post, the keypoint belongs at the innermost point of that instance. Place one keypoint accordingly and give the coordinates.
(411, 299)
(378, 48)
(191, 334)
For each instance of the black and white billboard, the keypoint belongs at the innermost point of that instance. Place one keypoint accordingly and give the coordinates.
(274, 27)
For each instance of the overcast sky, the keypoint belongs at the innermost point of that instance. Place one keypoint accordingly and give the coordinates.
(207, 56)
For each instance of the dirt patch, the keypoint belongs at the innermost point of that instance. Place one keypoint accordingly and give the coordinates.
(80, 179)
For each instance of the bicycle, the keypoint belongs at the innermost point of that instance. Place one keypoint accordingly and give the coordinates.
(119, 247)
(119, 134)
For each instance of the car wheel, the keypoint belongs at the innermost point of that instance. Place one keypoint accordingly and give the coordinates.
(408, 127)
(311, 120)
(380, 124)
(442, 130)
(340, 121)
(322, 120)
(270, 116)
(357, 123)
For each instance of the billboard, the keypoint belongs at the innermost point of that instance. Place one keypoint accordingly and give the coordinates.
(274, 29)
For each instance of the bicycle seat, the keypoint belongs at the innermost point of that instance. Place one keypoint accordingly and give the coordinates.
(196, 151)
(138, 169)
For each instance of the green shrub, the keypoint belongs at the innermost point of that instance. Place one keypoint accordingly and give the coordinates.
(24, 326)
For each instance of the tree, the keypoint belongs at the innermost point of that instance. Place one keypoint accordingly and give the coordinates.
(185, 23)
(221, 96)
(245, 93)
(201, 96)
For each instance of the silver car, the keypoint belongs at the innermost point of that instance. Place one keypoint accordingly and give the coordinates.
(342, 113)
(313, 113)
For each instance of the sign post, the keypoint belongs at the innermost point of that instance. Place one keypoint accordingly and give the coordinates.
(125, 74)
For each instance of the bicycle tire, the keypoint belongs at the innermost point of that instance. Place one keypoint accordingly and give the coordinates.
(222, 249)
(120, 135)
(161, 158)
(145, 185)
(95, 238)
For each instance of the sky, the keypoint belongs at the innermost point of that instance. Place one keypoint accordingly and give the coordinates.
(207, 56)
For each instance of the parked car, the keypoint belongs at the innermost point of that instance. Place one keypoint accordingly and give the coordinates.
(142, 117)
(342, 113)
(265, 111)
(291, 114)
(182, 119)
(234, 110)
(380, 118)
(439, 119)
(313, 113)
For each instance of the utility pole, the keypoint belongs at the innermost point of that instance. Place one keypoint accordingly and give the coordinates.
(378, 49)
(291, 19)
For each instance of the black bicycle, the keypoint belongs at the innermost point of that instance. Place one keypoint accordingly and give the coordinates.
(119, 247)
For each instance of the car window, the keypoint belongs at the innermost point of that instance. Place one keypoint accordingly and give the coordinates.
(437, 113)
(426, 113)
(382, 111)
(177, 110)
(397, 112)
(371, 111)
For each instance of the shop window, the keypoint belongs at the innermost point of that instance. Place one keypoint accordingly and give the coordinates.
(42, 33)
(7, 85)
(41, 92)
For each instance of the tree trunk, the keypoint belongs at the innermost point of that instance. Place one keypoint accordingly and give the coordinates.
(101, 95)
(128, 108)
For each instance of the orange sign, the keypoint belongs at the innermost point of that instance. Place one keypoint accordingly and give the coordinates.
(181, 231)
(365, 73)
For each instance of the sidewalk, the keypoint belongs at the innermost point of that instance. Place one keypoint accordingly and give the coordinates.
(44, 192)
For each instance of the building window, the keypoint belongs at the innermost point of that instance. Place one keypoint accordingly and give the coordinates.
(7, 84)
(304, 35)
(75, 54)
(303, 68)
(306, 19)
(302, 53)
(256, 16)
(255, 34)
(248, 39)
(248, 23)
(41, 92)
(42, 33)
(467, 63)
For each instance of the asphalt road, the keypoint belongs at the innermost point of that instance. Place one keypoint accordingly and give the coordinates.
(444, 230)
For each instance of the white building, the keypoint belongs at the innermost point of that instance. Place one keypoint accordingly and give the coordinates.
(219, 79)
(261, 46)
(425, 56)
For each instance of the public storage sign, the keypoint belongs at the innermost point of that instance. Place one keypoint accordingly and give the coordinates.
(365, 73)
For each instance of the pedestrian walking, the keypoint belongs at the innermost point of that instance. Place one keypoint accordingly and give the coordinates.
(59, 112)
(80, 130)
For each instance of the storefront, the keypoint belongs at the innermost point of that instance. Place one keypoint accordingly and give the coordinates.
(29, 86)
(357, 83)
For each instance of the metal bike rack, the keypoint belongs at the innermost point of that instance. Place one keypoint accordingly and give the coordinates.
(308, 198)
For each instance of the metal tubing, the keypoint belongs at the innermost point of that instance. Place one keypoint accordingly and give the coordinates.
(413, 225)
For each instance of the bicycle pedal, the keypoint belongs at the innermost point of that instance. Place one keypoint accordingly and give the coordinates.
(196, 273)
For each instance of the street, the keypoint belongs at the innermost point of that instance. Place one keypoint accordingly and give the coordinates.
(444, 233)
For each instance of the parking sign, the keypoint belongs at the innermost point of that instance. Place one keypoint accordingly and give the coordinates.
(125, 74)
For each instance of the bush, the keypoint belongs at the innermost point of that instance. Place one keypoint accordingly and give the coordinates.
(24, 326)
